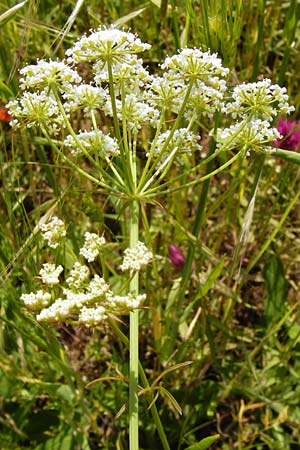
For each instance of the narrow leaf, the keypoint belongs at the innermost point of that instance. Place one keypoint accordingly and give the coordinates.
(287, 155)
(170, 369)
(165, 393)
(204, 443)
(9, 14)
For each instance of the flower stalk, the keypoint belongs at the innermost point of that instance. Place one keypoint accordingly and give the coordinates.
(134, 337)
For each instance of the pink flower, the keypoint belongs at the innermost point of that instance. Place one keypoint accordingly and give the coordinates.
(176, 257)
(290, 132)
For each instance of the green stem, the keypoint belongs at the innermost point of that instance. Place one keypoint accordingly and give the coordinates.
(146, 385)
(134, 338)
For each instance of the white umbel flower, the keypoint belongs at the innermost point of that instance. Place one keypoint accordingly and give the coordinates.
(194, 64)
(48, 74)
(92, 245)
(92, 316)
(78, 276)
(59, 310)
(85, 97)
(126, 301)
(255, 135)
(35, 109)
(36, 300)
(105, 44)
(50, 273)
(137, 257)
(263, 100)
(53, 231)
(93, 142)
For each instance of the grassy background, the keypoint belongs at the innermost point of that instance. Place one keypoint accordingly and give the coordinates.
(238, 320)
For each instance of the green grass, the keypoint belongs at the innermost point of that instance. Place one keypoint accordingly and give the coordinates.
(233, 310)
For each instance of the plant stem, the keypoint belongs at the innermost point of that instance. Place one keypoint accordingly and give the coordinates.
(146, 385)
(134, 317)
(134, 338)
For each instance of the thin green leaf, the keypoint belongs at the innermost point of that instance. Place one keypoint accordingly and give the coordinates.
(204, 443)
(288, 155)
(170, 369)
(165, 393)
(276, 288)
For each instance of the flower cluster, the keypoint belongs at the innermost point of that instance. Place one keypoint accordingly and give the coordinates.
(92, 142)
(82, 297)
(46, 74)
(261, 100)
(106, 44)
(182, 142)
(255, 135)
(36, 109)
(53, 231)
(136, 257)
(50, 273)
(192, 84)
(92, 246)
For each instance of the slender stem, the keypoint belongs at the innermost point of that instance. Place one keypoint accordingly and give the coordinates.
(134, 315)
(146, 385)
(153, 192)
(142, 188)
(134, 339)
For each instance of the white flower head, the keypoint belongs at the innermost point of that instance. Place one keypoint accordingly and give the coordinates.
(126, 302)
(129, 71)
(98, 287)
(92, 316)
(93, 142)
(105, 44)
(182, 142)
(47, 74)
(50, 273)
(136, 111)
(255, 135)
(35, 109)
(59, 310)
(92, 246)
(263, 100)
(194, 64)
(78, 277)
(85, 97)
(136, 257)
(36, 300)
(166, 93)
(53, 231)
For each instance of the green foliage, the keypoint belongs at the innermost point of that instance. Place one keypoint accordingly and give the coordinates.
(237, 320)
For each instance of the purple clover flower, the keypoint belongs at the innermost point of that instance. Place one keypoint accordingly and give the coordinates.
(290, 132)
(176, 257)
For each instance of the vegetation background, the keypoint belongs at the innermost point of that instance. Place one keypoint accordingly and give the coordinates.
(239, 319)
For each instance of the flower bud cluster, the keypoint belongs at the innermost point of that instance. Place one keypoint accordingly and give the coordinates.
(136, 257)
(81, 297)
(53, 231)
(92, 246)
(50, 273)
